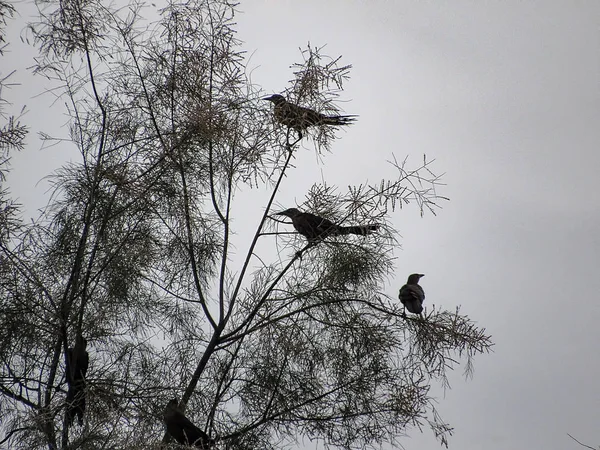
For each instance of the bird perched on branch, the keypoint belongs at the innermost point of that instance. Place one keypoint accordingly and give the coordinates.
(76, 370)
(314, 227)
(412, 295)
(300, 118)
(182, 429)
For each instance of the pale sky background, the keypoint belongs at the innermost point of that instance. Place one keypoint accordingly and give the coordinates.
(505, 95)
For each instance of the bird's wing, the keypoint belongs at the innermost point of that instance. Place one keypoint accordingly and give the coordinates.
(414, 306)
(310, 117)
(297, 117)
(320, 226)
(83, 361)
(69, 366)
(412, 296)
(289, 115)
(411, 292)
(192, 432)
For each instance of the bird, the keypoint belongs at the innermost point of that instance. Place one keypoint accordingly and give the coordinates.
(300, 118)
(315, 228)
(412, 295)
(182, 429)
(76, 370)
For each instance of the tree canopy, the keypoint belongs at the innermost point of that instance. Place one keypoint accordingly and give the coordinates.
(144, 251)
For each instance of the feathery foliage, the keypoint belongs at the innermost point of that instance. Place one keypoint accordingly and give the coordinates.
(141, 251)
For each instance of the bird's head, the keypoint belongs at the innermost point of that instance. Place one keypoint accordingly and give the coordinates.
(414, 278)
(275, 98)
(171, 407)
(290, 212)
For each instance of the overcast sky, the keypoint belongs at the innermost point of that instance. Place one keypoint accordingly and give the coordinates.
(505, 96)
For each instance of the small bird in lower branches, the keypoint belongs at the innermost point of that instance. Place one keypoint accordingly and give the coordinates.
(183, 430)
(315, 228)
(412, 295)
(300, 118)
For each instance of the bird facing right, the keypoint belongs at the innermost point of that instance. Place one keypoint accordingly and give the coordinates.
(412, 295)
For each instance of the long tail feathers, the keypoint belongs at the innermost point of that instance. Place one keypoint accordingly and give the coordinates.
(339, 120)
(361, 230)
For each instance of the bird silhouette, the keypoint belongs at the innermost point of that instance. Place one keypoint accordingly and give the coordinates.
(182, 429)
(300, 118)
(76, 370)
(412, 295)
(315, 227)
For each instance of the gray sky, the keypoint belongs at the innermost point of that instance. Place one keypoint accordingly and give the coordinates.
(505, 95)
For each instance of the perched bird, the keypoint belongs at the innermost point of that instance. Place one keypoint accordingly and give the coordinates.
(300, 118)
(412, 295)
(76, 370)
(314, 227)
(182, 430)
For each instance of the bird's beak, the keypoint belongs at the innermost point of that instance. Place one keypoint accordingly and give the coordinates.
(421, 275)
(269, 98)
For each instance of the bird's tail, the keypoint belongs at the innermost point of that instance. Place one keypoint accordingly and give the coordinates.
(339, 120)
(75, 403)
(361, 230)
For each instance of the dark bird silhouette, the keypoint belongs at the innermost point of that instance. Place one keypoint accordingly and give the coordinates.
(314, 227)
(182, 430)
(412, 295)
(76, 370)
(300, 118)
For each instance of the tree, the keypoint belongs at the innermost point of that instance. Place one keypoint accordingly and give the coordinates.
(12, 135)
(580, 443)
(135, 253)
